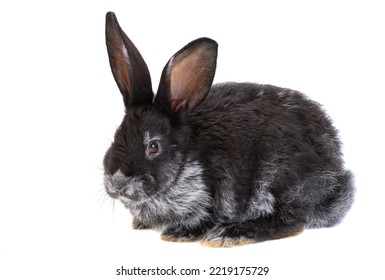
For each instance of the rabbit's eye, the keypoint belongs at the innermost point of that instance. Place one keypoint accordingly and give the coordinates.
(153, 147)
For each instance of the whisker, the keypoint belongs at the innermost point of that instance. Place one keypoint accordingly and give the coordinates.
(100, 194)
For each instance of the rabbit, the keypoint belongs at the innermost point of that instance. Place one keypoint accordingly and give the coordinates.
(229, 164)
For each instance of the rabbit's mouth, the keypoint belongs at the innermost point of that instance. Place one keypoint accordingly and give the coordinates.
(134, 188)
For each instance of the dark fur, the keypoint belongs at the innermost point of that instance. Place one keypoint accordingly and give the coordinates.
(238, 163)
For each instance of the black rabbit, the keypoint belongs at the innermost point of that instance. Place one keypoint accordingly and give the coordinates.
(233, 163)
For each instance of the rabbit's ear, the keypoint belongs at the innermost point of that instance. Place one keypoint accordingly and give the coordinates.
(187, 77)
(127, 65)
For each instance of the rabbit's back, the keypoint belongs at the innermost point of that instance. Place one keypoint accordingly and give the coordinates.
(267, 121)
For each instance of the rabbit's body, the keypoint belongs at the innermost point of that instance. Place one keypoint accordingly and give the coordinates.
(235, 163)
(275, 145)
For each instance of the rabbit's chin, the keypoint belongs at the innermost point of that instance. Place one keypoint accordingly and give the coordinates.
(185, 200)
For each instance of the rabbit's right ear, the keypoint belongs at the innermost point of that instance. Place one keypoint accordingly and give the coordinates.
(127, 65)
(187, 77)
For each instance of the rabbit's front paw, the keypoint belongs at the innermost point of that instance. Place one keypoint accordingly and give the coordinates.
(136, 224)
(181, 234)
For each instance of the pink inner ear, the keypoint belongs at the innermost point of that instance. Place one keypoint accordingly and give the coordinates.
(183, 78)
(188, 78)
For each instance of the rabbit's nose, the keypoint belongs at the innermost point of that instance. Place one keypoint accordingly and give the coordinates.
(119, 181)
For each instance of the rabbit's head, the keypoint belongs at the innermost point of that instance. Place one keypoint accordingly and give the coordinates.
(150, 146)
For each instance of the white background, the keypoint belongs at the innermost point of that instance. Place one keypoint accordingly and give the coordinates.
(59, 107)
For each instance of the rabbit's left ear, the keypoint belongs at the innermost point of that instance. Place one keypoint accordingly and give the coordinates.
(187, 77)
(128, 67)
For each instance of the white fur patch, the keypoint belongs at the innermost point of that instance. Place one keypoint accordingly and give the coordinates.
(261, 92)
(169, 66)
(261, 205)
(225, 201)
(125, 53)
(262, 202)
(147, 138)
(184, 201)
